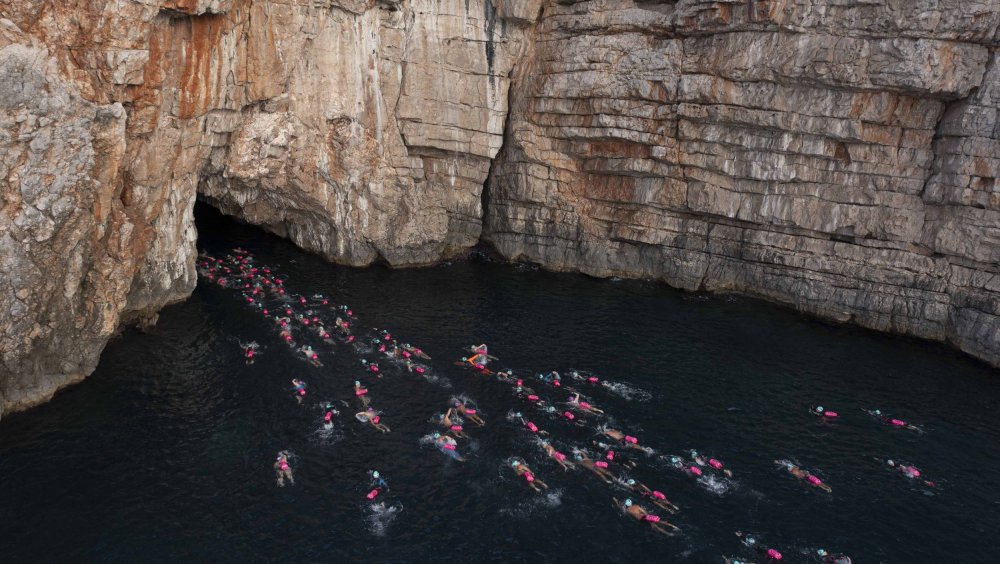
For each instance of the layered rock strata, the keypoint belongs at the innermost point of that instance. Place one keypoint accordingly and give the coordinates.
(841, 158)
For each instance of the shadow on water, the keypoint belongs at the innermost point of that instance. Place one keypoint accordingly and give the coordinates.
(165, 452)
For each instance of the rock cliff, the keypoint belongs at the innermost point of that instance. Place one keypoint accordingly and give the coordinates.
(839, 157)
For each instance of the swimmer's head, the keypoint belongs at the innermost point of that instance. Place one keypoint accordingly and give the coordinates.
(515, 463)
(357, 382)
(890, 462)
(751, 540)
(877, 412)
(819, 408)
(821, 552)
(628, 503)
(464, 359)
(550, 409)
(675, 459)
(437, 435)
(375, 474)
(630, 482)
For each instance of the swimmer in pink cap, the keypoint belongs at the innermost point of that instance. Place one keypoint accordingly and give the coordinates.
(640, 514)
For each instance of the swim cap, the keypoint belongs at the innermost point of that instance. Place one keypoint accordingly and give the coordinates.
(375, 474)
(464, 359)
(878, 412)
(821, 552)
(819, 408)
(515, 464)
(630, 482)
(628, 503)
(357, 382)
(751, 540)
(437, 435)
(890, 462)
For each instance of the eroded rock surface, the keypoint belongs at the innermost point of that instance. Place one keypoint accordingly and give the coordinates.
(838, 157)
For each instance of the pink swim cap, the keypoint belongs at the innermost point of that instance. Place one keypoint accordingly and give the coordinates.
(774, 554)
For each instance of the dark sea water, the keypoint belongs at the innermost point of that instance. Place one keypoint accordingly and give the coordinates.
(165, 453)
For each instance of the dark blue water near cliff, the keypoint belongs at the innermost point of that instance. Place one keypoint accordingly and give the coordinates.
(165, 453)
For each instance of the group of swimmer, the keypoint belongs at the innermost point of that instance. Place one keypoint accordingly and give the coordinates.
(608, 453)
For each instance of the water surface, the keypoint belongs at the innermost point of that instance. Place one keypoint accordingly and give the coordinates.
(165, 452)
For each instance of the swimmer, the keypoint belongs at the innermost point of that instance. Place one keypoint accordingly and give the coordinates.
(448, 446)
(361, 394)
(283, 470)
(820, 411)
(299, 389)
(552, 378)
(468, 412)
(828, 558)
(598, 467)
(250, 351)
(637, 512)
(372, 417)
(751, 542)
(329, 413)
(556, 455)
(454, 427)
(801, 474)
(612, 455)
(378, 485)
(522, 470)
(310, 355)
(626, 440)
(416, 351)
(654, 496)
(702, 461)
(528, 424)
(574, 400)
(877, 413)
(910, 471)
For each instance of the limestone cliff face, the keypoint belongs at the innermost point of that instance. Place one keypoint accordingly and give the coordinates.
(361, 129)
(840, 157)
